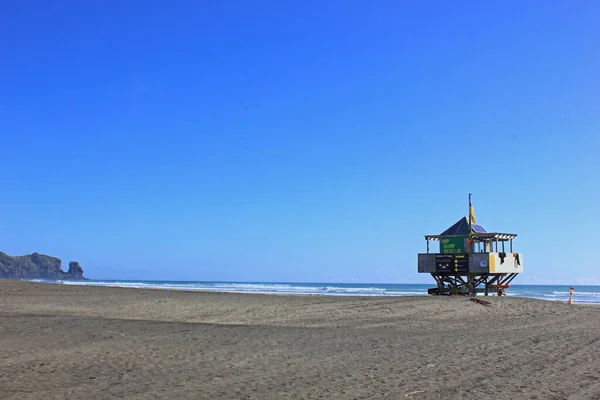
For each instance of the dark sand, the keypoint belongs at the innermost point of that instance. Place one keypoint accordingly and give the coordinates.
(60, 341)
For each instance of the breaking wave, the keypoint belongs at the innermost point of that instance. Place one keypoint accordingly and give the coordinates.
(581, 295)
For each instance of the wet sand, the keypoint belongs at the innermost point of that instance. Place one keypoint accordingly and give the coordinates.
(59, 341)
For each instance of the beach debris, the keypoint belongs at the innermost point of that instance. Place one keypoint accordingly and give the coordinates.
(479, 301)
(92, 377)
(431, 365)
(415, 392)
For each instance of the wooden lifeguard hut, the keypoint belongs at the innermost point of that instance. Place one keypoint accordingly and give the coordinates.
(471, 260)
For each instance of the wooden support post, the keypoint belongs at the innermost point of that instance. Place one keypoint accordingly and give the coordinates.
(485, 282)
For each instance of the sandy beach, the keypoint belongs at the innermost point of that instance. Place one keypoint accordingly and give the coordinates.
(59, 341)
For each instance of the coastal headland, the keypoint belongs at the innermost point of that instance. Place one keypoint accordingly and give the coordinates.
(61, 341)
(38, 266)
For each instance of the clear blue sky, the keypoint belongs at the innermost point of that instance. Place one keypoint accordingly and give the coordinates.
(297, 140)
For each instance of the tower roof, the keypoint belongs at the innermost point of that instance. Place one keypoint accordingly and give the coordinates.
(461, 228)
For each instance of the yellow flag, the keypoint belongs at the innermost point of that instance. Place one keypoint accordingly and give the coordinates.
(473, 219)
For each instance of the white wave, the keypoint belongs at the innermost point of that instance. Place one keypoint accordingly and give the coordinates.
(275, 288)
(353, 290)
(591, 294)
(261, 287)
(325, 289)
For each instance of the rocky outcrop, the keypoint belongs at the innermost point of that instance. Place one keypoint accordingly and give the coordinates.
(75, 270)
(37, 266)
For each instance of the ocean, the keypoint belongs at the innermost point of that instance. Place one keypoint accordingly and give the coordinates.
(581, 294)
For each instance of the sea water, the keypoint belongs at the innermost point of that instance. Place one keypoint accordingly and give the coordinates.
(581, 294)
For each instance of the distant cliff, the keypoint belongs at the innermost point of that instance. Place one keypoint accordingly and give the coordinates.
(37, 266)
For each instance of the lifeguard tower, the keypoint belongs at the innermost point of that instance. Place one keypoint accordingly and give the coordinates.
(471, 260)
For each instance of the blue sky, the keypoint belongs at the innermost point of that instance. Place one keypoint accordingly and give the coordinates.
(298, 141)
